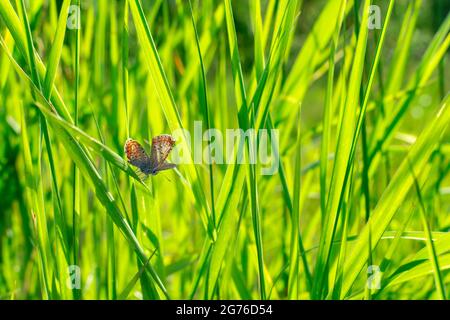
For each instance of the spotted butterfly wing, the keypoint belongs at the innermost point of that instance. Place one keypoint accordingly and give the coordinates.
(137, 156)
(165, 166)
(161, 147)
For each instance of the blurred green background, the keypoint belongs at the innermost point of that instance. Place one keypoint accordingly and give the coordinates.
(364, 172)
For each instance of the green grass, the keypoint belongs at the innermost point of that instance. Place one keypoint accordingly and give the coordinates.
(364, 173)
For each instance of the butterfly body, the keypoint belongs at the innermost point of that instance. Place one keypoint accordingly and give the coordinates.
(156, 162)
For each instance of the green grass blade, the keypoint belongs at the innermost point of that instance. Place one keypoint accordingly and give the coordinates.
(206, 113)
(55, 51)
(431, 249)
(395, 192)
(343, 150)
(90, 173)
(167, 101)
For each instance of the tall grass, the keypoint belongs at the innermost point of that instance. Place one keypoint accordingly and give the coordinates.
(357, 209)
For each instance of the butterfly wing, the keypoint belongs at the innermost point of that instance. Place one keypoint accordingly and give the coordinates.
(161, 147)
(165, 166)
(137, 156)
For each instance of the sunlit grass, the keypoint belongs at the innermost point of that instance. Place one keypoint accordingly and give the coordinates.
(362, 183)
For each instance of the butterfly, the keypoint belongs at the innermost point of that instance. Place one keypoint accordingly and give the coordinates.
(161, 147)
